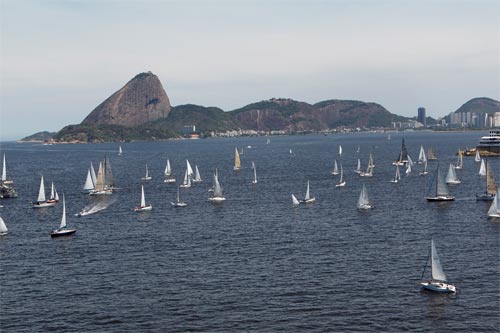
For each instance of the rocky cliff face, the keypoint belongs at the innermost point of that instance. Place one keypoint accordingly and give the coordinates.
(140, 101)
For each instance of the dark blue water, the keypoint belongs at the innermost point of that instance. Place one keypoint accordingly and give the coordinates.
(254, 263)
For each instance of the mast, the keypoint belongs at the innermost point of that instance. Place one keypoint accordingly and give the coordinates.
(41, 191)
(4, 169)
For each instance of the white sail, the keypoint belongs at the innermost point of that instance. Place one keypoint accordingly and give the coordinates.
(437, 269)
(478, 157)
(41, 192)
(178, 194)
(341, 180)
(63, 218)
(291, 152)
(460, 160)
(120, 151)
(410, 161)
(143, 198)
(99, 184)
(254, 173)
(358, 166)
(197, 176)
(370, 160)
(168, 169)
(482, 168)
(52, 191)
(56, 195)
(295, 201)
(421, 155)
(494, 208)
(217, 187)
(425, 167)
(4, 169)
(89, 185)
(147, 172)
(408, 168)
(441, 188)
(189, 169)
(363, 197)
(187, 179)
(3, 227)
(340, 150)
(308, 196)
(397, 176)
(450, 176)
(335, 168)
(92, 174)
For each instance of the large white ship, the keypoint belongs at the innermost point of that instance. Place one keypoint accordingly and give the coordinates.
(488, 145)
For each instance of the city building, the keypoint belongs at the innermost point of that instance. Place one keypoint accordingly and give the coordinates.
(421, 117)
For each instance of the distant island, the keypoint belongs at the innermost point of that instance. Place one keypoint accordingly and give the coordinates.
(141, 111)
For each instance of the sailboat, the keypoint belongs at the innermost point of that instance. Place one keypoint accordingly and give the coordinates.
(178, 202)
(120, 151)
(460, 160)
(295, 201)
(100, 187)
(237, 162)
(254, 181)
(408, 168)
(42, 202)
(187, 179)
(358, 167)
(62, 231)
(147, 176)
(370, 161)
(169, 178)
(108, 174)
(217, 196)
(291, 152)
(335, 168)
(307, 197)
(143, 207)
(482, 168)
(358, 150)
(268, 141)
(421, 156)
(4, 173)
(54, 196)
(397, 176)
(478, 157)
(340, 150)
(3, 227)
(241, 150)
(491, 186)
(438, 280)
(92, 173)
(424, 172)
(403, 154)
(369, 169)
(430, 154)
(439, 189)
(494, 211)
(197, 176)
(341, 182)
(363, 201)
(451, 177)
(388, 136)
(89, 184)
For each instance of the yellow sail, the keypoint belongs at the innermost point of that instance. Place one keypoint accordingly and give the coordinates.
(237, 162)
(99, 185)
(430, 154)
(491, 186)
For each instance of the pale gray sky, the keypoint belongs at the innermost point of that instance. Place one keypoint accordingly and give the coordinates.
(60, 59)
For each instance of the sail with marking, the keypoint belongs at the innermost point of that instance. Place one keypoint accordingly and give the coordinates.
(363, 197)
(108, 174)
(89, 185)
(491, 186)
(478, 157)
(189, 169)
(421, 155)
(4, 169)
(237, 162)
(482, 168)
(441, 188)
(41, 192)
(99, 184)
(217, 187)
(308, 195)
(143, 198)
(3, 227)
(92, 173)
(437, 269)
(63, 218)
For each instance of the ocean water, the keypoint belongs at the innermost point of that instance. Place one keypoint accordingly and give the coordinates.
(254, 263)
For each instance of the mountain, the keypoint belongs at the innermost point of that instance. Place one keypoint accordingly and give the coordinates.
(140, 101)
(480, 104)
(39, 137)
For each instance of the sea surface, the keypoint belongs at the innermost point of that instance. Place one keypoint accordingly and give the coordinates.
(254, 263)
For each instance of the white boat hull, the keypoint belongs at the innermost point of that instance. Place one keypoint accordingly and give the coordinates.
(340, 185)
(308, 201)
(440, 287)
(44, 204)
(178, 204)
(105, 192)
(441, 198)
(365, 207)
(143, 208)
(147, 178)
(170, 180)
(453, 182)
(62, 232)
(217, 199)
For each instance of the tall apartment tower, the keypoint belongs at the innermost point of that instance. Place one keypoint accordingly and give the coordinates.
(421, 116)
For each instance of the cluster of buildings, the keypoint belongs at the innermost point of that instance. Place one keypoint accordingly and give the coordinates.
(472, 119)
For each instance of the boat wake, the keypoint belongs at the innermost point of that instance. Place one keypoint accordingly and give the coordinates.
(94, 208)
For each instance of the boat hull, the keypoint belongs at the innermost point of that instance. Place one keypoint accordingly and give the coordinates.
(61, 233)
(485, 197)
(439, 287)
(365, 207)
(105, 192)
(217, 199)
(143, 209)
(440, 198)
(44, 204)
(340, 184)
(171, 180)
(178, 204)
(308, 201)
(146, 178)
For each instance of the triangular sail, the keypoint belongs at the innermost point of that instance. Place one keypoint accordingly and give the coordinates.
(441, 188)
(178, 194)
(52, 191)
(63, 218)
(370, 160)
(294, 200)
(425, 166)
(363, 197)
(340, 150)
(308, 196)
(482, 168)
(92, 173)
(478, 157)
(168, 169)
(41, 191)
(431, 155)
(99, 185)
(254, 172)
(397, 176)
(108, 174)
(341, 174)
(437, 269)
(451, 176)
(187, 179)
(56, 196)
(460, 159)
(335, 168)
(403, 154)
(147, 172)
(120, 151)
(143, 198)
(89, 185)
(491, 186)
(408, 168)
(358, 166)
(421, 155)
(217, 187)
(197, 175)
(3, 227)
(237, 162)
(188, 168)
(410, 161)
(4, 169)
(495, 208)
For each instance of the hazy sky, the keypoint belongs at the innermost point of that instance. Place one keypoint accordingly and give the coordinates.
(60, 59)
